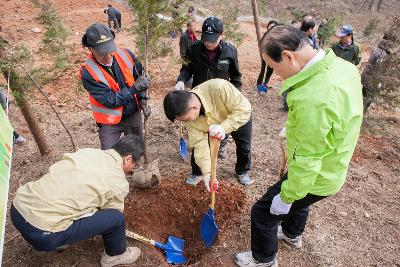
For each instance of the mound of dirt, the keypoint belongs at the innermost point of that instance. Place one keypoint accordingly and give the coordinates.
(175, 208)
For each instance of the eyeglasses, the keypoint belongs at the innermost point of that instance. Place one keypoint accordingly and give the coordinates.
(137, 165)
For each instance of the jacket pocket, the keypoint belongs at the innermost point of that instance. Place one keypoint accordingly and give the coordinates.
(223, 65)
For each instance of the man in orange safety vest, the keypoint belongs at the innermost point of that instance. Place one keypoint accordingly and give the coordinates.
(113, 78)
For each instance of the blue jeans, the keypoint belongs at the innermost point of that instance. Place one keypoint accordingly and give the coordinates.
(109, 223)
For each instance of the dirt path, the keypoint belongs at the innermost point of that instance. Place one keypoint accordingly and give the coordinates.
(357, 227)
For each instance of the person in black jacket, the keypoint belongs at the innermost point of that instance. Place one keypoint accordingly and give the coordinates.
(263, 77)
(211, 58)
(187, 39)
(115, 16)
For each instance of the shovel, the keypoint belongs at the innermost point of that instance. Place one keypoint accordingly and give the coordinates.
(173, 248)
(182, 145)
(209, 228)
(282, 139)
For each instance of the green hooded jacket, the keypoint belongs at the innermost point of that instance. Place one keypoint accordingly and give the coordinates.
(322, 128)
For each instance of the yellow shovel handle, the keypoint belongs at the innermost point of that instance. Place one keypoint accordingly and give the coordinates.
(139, 237)
(181, 129)
(214, 147)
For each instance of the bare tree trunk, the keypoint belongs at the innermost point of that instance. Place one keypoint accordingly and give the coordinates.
(378, 8)
(28, 114)
(146, 71)
(371, 4)
(256, 22)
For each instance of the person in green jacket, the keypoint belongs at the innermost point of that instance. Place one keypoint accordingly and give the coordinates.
(324, 119)
(346, 48)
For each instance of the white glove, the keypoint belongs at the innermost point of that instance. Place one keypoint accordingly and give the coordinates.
(180, 85)
(282, 134)
(206, 179)
(279, 207)
(217, 131)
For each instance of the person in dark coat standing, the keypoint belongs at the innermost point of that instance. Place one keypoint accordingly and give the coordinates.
(266, 71)
(187, 39)
(115, 16)
(212, 58)
(347, 48)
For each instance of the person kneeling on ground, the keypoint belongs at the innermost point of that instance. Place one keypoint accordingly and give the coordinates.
(324, 120)
(213, 108)
(80, 197)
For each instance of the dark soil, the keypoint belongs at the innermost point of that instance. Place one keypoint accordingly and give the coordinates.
(357, 227)
(176, 209)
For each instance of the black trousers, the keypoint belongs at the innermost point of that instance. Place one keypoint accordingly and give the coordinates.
(109, 134)
(262, 72)
(242, 138)
(264, 225)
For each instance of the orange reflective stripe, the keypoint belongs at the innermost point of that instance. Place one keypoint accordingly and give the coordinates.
(101, 113)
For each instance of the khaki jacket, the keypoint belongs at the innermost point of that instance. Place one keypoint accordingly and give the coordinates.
(223, 104)
(75, 187)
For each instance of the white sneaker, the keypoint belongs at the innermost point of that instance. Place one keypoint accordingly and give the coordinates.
(129, 256)
(194, 179)
(244, 179)
(245, 259)
(293, 242)
(19, 140)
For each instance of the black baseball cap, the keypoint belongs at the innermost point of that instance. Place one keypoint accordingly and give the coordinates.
(211, 30)
(100, 37)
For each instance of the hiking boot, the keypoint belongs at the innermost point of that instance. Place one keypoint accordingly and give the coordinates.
(222, 152)
(245, 259)
(194, 179)
(293, 242)
(128, 257)
(244, 179)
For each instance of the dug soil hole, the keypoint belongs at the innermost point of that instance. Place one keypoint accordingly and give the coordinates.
(175, 208)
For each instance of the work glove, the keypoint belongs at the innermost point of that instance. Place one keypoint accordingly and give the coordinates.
(146, 110)
(278, 207)
(216, 131)
(180, 85)
(206, 180)
(142, 84)
(282, 134)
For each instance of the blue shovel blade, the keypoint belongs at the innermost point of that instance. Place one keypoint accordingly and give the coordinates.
(183, 148)
(209, 228)
(173, 250)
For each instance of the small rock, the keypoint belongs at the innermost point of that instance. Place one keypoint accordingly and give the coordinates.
(366, 214)
(343, 213)
(36, 29)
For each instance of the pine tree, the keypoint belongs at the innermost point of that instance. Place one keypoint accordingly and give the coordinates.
(154, 20)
